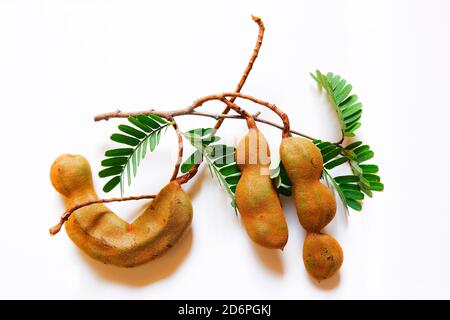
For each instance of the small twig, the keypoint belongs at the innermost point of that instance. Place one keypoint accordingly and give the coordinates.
(65, 216)
(249, 67)
(180, 149)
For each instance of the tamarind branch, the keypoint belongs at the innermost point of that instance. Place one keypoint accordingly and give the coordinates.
(247, 70)
(189, 112)
(193, 171)
(65, 216)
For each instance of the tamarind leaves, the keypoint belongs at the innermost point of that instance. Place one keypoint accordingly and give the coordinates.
(347, 107)
(141, 136)
(354, 187)
(219, 158)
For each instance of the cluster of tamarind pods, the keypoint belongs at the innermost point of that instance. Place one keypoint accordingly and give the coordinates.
(104, 236)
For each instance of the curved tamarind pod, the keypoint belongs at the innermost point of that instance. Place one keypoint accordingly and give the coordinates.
(104, 236)
(315, 203)
(256, 197)
(322, 255)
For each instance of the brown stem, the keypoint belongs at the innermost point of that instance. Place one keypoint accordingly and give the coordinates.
(54, 230)
(250, 121)
(247, 70)
(193, 171)
(283, 116)
(180, 149)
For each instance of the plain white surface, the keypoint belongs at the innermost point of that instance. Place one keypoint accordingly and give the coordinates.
(62, 62)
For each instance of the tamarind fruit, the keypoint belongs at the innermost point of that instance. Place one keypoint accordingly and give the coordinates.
(256, 197)
(322, 255)
(103, 235)
(315, 204)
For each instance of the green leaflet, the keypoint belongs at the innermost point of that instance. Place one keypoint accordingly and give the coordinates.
(363, 180)
(280, 179)
(351, 188)
(120, 163)
(219, 158)
(347, 107)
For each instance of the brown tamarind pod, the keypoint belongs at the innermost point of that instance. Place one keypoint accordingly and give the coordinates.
(315, 203)
(256, 197)
(103, 235)
(322, 255)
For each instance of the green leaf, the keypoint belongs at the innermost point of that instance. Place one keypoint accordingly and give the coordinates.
(152, 142)
(354, 204)
(134, 163)
(364, 156)
(144, 148)
(119, 152)
(332, 154)
(353, 194)
(376, 186)
(342, 95)
(352, 110)
(346, 179)
(347, 107)
(111, 184)
(111, 171)
(128, 174)
(158, 119)
(336, 162)
(349, 186)
(209, 140)
(229, 170)
(113, 162)
(158, 137)
(232, 179)
(352, 128)
(361, 149)
(321, 145)
(139, 124)
(369, 168)
(348, 102)
(121, 138)
(131, 131)
(328, 148)
(371, 177)
(149, 122)
(219, 157)
(200, 131)
(121, 161)
(191, 161)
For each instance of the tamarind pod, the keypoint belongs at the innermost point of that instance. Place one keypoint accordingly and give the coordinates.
(256, 197)
(315, 203)
(322, 255)
(102, 235)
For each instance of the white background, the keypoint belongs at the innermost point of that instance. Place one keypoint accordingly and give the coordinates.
(62, 62)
